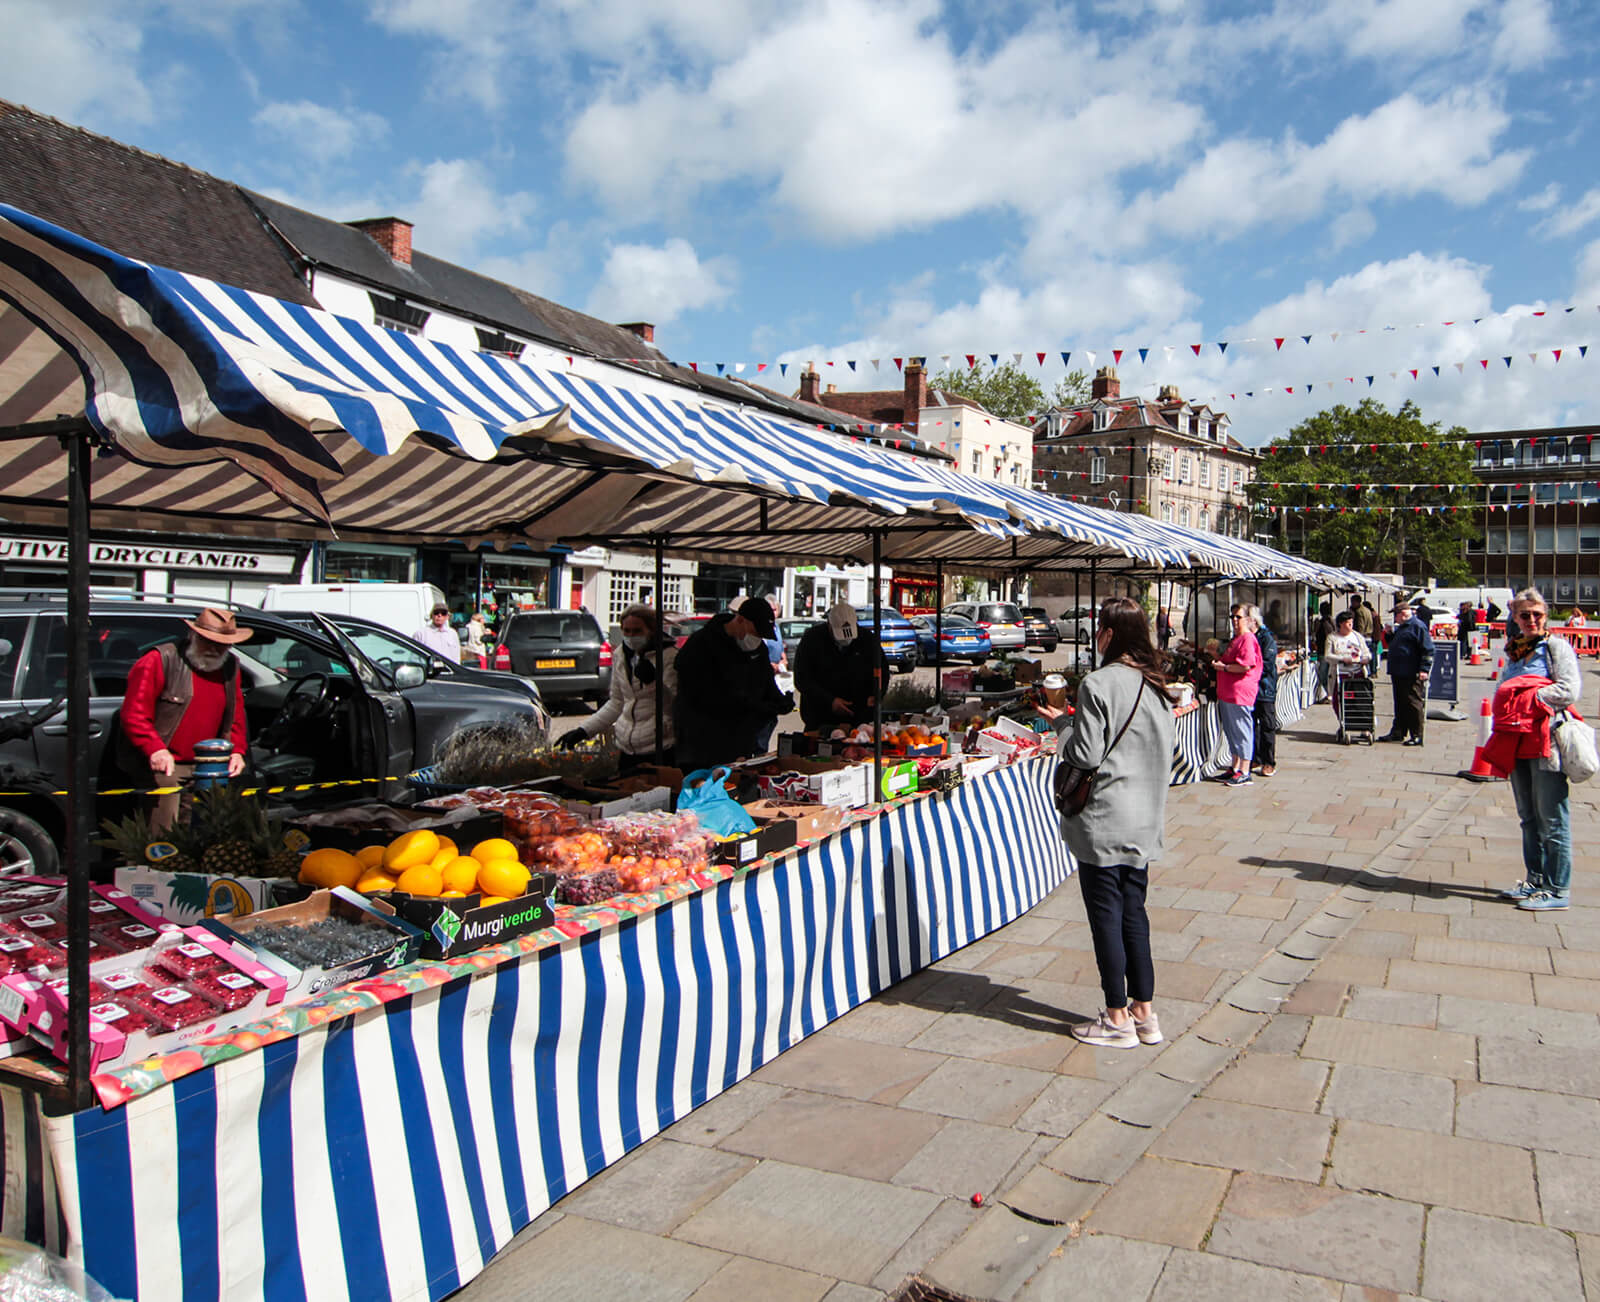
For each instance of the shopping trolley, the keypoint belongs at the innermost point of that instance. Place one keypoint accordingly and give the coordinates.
(1354, 705)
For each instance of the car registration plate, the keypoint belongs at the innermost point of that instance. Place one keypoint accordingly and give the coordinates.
(555, 664)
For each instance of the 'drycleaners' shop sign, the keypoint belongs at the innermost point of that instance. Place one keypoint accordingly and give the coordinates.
(148, 556)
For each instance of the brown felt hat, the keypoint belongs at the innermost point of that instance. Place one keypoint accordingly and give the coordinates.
(219, 626)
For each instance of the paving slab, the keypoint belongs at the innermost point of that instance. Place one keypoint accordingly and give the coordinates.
(1244, 1137)
(883, 1023)
(950, 1220)
(852, 1069)
(1149, 1099)
(1539, 1066)
(1064, 1104)
(743, 1278)
(1453, 979)
(1589, 1263)
(798, 1217)
(1285, 1033)
(1481, 953)
(1163, 1202)
(1538, 1119)
(844, 1291)
(716, 1119)
(1099, 1266)
(1315, 995)
(861, 1139)
(964, 1158)
(990, 1036)
(1569, 1191)
(582, 1258)
(657, 1186)
(1485, 1259)
(1394, 1007)
(1194, 1060)
(1320, 1230)
(996, 1256)
(1575, 993)
(1399, 1048)
(978, 1091)
(1272, 1080)
(1443, 1170)
(1206, 1277)
(1409, 1100)
(1550, 1026)
(1102, 1149)
(1044, 1195)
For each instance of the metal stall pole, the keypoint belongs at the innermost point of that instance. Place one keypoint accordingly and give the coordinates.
(1077, 619)
(938, 634)
(661, 653)
(877, 696)
(80, 797)
(1194, 606)
(1094, 619)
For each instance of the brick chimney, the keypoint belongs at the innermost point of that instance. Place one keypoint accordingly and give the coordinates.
(1169, 394)
(809, 380)
(644, 329)
(1106, 386)
(390, 234)
(916, 393)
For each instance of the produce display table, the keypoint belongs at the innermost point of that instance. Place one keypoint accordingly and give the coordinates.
(385, 1141)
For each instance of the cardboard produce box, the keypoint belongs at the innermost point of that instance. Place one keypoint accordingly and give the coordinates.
(636, 802)
(811, 822)
(768, 838)
(898, 780)
(463, 826)
(850, 786)
(399, 944)
(456, 926)
(185, 898)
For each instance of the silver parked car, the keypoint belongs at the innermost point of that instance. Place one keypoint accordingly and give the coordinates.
(1001, 620)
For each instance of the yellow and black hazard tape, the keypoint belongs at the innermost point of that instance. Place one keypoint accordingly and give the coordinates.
(245, 791)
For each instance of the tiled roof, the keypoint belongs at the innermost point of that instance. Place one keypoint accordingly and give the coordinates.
(139, 204)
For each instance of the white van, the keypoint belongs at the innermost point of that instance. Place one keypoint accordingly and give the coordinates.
(404, 607)
(1446, 601)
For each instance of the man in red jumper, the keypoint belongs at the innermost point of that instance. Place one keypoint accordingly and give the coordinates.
(179, 694)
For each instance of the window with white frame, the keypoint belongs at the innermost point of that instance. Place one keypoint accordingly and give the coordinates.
(1183, 517)
(1205, 472)
(1205, 519)
(977, 463)
(393, 313)
(1166, 513)
(1016, 473)
(631, 587)
(1238, 479)
(1185, 469)
(1102, 418)
(1097, 468)
(1183, 421)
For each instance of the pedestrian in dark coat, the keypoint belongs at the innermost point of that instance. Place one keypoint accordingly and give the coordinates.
(726, 689)
(1410, 657)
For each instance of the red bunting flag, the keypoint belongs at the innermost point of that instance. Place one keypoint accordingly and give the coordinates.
(1279, 343)
(1558, 354)
(760, 366)
(1040, 356)
(972, 360)
(694, 366)
(1116, 356)
(897, 362)
(1197, 348)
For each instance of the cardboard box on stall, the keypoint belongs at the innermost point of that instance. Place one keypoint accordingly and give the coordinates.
(455, 926)
(464, 829)
(850, 785)
(637, 802)
(899, 780)
(1008, 739)
(185, 898)
(402, 941)
(1027, 671)
(811, 822)
(768, 838)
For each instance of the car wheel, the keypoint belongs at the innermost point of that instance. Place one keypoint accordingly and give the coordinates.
(25, 846)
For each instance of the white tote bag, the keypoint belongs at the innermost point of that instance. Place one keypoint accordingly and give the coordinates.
(1580, 757)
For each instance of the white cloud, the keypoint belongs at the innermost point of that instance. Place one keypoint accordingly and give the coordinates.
(1545, 200)
(1588, 280)
(318, 132)
(1574, 217)
(1354, 226)
(642, 282)
(1527, 34)
(458, 207)
(77, 61)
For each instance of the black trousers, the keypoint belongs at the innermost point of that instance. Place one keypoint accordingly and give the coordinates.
(1114, 898)
(1266, 716)
(1410, 705)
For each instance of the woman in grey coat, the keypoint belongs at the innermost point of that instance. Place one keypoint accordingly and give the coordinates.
(1119, 831)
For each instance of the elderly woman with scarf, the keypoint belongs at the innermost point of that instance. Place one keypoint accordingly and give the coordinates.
(1550, 666)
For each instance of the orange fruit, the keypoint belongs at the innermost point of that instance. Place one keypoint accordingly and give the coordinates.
(460, 875)
(374, 880)
(452, 895)
(330, 868)
(410, 849)
(493, 899)
(504, 877)
(494, 848)
(421, 879)
(371, 856)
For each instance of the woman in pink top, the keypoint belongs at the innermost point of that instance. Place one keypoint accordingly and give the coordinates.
(1238, 675)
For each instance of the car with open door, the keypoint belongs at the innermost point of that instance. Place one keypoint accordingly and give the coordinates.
(318, 708)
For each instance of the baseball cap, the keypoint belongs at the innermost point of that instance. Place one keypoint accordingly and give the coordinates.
(758, 613)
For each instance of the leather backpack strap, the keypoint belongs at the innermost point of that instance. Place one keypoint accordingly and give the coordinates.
(1139, 697)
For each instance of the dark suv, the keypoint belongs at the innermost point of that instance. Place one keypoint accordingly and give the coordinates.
(317, 707)
(1038, 628)
(563, 651)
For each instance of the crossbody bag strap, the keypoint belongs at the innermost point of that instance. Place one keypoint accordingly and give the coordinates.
(1126, 725)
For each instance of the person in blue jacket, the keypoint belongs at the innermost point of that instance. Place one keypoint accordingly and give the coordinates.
(1410, 657)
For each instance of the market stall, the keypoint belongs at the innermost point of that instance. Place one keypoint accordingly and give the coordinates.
(440, 1106)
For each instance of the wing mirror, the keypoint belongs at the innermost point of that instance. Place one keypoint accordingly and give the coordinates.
(410, 676)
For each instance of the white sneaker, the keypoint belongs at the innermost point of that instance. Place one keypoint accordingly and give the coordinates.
(1103, 1033)
(1149, 1030)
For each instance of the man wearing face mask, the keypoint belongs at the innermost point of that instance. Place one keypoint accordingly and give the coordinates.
(638, 690)
(179, 694)
(837, 672)
(727, 693)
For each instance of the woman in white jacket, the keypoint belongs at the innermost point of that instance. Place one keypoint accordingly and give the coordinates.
(640, 689)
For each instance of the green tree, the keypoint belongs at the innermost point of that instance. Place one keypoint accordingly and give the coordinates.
(1352, 449)
(1010, 392)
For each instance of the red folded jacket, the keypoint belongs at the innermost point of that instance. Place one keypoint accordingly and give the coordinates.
(1521, 724)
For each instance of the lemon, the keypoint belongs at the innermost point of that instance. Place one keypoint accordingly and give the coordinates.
(495, 848)
(421, 879)
(330, 868)
(505, 877)
(460, 875)
(410, 849)
(447, 853)
(371, 856)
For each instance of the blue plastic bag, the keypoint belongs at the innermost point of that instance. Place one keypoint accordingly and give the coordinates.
(707, 799)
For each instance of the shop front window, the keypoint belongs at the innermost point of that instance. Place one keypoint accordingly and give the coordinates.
(355, 564)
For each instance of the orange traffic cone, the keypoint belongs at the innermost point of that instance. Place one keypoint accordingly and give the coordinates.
(1480, 770)
(1499, 665)
(1476, 658)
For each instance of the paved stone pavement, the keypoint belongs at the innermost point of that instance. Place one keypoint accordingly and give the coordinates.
(1378, 1082)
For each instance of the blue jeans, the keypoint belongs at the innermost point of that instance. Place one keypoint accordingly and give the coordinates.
(1546, 829)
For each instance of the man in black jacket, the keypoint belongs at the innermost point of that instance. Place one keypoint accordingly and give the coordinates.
(726, 688)
(838, 673)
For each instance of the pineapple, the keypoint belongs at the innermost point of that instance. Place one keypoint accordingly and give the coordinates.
(131, 839)
(229, 827)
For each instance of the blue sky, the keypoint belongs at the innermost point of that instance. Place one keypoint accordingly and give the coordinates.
(851, 179)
